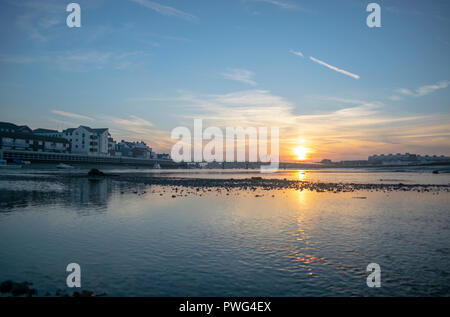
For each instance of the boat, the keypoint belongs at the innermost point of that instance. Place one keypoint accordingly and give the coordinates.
(4, 164)
(64, 166)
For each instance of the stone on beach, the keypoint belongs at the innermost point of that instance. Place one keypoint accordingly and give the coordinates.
(95, 172)
(17, 289)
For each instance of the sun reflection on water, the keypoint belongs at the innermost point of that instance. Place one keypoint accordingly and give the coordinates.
(301, 175)
(302, 254)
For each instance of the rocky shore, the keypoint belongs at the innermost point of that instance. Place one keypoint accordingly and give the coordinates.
(23, 289)
(276, 184)
(253, 183)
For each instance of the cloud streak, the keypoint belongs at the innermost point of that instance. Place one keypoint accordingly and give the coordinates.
(425, 90)
(342, 71)
(241, 75)
(82, 61)
(281, 4)
(133, 121)
(298, 53)
(16, 59)
(135, 128)
(166, 10)
(71, 115)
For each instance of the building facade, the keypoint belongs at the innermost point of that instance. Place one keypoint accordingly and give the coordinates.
(406, 159)
(12, 128)
(135, 149)
(32, 142)
(87, 141)
(48, 132)
(82, 140)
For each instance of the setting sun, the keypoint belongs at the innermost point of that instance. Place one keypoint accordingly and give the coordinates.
(301, 152)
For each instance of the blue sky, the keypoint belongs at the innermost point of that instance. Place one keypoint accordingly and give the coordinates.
(144, 67)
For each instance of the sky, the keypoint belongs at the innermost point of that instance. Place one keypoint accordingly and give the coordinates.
(314, 69)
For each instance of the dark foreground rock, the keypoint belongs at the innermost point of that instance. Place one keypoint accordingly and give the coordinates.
(84, 294)
(17, 289)
(95, 172)
(23, 289)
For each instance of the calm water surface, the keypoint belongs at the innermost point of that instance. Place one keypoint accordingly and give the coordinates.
(406, 175)
(136, 240)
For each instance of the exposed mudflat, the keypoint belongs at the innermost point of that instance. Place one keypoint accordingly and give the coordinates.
(252, 183)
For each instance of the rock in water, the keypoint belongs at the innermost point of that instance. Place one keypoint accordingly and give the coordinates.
(95, 172)
(6, 286)
(17, 289)
(85, 293)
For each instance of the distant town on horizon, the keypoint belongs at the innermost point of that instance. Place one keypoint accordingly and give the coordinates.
(98, 142)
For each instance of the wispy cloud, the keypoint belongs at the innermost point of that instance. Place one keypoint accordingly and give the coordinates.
(71, 115)
(39, 20)
(241, 75)
(81, 61)
(132, 121)
(136, 128)
(395, 98)
(298, 53)
(17, 59)
(425, 90)
(281, 4)
(342, 71)
(166, 10)
(87, 57)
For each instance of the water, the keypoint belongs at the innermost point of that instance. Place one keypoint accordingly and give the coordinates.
(380, 175)
(136, 240)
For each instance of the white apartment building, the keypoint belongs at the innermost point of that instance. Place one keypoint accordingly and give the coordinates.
(48, 132)
(88, 141)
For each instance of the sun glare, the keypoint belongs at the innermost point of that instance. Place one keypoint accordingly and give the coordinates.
(301, 152)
